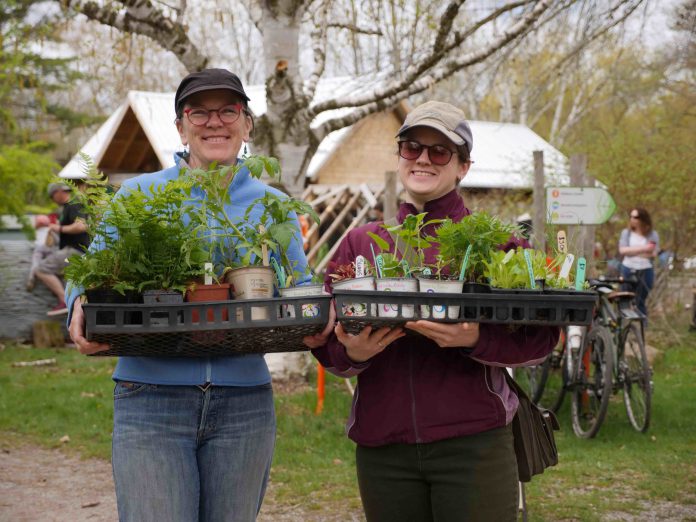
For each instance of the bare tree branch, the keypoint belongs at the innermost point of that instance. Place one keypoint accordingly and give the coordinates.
(318, 47)
(416, 74)
(355, 29)
(142, 17)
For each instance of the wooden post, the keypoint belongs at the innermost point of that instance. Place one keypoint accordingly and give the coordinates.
(47, 334)
(539, 197)
(581, 238)
(390, 206)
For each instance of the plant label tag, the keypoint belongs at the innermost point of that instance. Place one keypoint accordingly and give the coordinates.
(278, 272)
(465, 262)
(580, 273)
(530, 270)
(208, 277)
(567, 265)
(359, 267)
(508, 256)
(379, 263)
(561, 242)
(426, 271)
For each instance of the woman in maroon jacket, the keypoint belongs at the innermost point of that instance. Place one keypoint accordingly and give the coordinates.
(431, 413)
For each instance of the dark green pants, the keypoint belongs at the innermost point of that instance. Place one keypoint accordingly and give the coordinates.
(464, 479)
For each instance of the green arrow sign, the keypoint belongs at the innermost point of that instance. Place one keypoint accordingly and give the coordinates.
(578, 205)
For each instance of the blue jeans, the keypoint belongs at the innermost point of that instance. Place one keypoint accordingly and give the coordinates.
(645, 278)
(181, 454)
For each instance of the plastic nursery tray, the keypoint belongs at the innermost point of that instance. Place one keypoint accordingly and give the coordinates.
(207, 328)
(356, 309)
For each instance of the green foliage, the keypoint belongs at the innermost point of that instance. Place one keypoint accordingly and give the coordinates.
(482, 231)
(149, 240)
(510, 269)
(236, 242)
(25, 172)
(28, 77)
(409, 236)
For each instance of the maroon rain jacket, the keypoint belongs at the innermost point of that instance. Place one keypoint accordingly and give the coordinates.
(416, 392)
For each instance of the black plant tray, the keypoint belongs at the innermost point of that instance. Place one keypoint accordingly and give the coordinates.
(535, 307)
(222, 327)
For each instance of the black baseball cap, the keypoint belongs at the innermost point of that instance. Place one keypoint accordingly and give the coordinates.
(207, 80)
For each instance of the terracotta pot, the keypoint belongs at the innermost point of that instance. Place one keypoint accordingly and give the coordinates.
(208, 293)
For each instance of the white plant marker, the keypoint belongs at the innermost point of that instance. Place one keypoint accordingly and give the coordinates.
(562, 242)
(208, 277)
(359, 267)
(567, 265)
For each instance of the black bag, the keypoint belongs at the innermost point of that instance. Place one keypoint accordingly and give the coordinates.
(532, 427)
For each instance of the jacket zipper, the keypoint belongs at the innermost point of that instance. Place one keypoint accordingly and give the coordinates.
(413, 395)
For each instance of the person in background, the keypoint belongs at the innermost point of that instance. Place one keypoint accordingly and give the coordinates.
(432, 413)
(72, 240)
(193, 437)
(639, 244)
(45, 243)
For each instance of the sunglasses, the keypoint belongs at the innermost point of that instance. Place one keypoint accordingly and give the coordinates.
(438, 154)
(227, 114)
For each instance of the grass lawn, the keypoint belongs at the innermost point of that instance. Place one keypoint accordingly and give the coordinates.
(618, 471)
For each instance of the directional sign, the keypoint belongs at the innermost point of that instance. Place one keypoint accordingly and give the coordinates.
(578, 205)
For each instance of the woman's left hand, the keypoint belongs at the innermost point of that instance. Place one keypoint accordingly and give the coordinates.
(447, 335)
(320, 339)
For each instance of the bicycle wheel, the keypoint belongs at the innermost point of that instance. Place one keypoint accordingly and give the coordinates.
(592, 382)
(554, 377)
(637, 379)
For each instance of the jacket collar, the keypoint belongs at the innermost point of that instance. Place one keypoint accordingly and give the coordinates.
(451, 205)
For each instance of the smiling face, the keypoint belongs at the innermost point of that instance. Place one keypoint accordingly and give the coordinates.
(422, 179)
(215, 141)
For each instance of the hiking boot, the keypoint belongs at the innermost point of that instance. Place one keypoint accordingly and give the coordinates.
(59, 309)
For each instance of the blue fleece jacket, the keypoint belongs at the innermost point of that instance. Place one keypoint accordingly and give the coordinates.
(235, 370)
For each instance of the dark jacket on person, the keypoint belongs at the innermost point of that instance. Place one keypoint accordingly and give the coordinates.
(416, 392)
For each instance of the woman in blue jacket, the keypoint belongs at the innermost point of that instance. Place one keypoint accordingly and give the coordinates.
(193, 437)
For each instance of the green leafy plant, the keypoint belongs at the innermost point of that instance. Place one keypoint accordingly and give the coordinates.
(503, 270)
(409, 236)
(235, 241)
(483, 232)
(149, 240)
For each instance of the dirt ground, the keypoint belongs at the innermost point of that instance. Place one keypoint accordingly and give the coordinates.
(41, 485)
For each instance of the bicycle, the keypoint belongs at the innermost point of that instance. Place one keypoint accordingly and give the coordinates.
(548, 382)
(612, 357)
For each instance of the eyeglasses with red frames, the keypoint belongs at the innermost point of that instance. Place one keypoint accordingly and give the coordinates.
(199, 116)
(438, 154)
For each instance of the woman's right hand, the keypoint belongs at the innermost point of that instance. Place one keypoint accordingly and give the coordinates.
(77, 331)
(367, 343)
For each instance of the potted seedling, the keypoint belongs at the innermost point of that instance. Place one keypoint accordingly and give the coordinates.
(393, 275)
(466, 245)
(296, 285)
(357, 275)
(149, 240)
